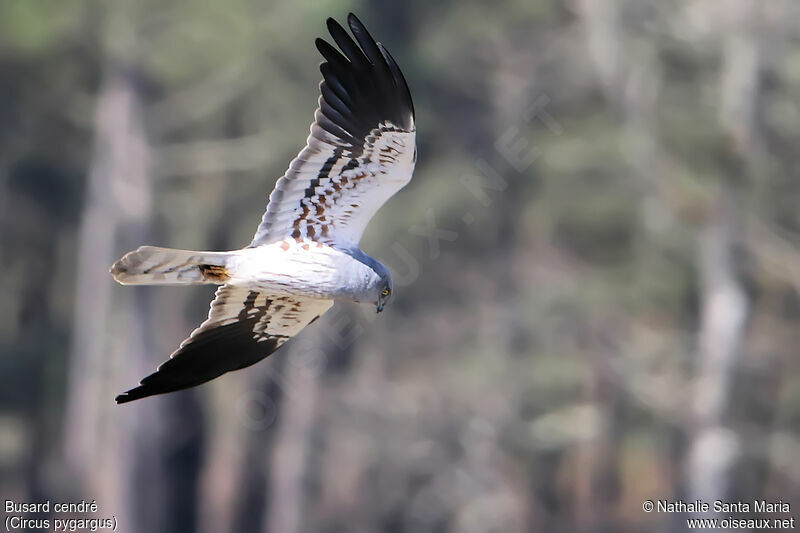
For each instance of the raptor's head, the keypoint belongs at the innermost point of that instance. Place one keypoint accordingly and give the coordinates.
(385, 294)
(376, 287)
(379, 291)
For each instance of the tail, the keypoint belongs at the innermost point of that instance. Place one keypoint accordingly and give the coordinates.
(149, 265)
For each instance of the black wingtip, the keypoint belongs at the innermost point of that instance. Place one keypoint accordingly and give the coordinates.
(356, 26)
(136, 393)
(125, 397)
(352, 19)
(364, 86)
(333, 25)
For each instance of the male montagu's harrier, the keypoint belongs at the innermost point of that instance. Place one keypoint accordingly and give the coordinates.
(305, 253)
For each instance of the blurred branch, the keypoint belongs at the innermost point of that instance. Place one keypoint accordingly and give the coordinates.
(741, 74)
(600, 19)
(182, 108)
(210, 157)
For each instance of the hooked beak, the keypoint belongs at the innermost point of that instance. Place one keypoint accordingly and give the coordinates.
(379, 307)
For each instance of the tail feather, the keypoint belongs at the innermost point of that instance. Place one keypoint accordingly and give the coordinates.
(150, 265)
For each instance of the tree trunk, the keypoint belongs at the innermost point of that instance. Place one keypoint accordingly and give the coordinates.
(714, 448)
(288, 475)
(117, 189)
(144, 458)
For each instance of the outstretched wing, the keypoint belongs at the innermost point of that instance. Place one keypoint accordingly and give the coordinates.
(243, 327)
(360, 152)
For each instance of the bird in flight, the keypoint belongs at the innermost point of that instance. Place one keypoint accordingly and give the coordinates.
(305, 253)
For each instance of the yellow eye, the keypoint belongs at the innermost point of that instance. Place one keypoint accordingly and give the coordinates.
(385, 292)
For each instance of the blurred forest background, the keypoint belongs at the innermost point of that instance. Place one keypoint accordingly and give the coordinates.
(597, 266)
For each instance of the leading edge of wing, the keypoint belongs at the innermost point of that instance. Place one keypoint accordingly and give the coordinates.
(362, 87)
